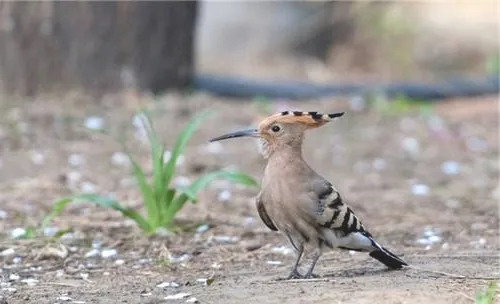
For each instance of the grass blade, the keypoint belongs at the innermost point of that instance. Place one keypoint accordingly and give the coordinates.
(174, 207)
(232, 176)
(101, 201)
(180, 145)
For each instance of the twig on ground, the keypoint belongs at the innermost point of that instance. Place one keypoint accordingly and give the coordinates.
(451, 275)
(301, 280)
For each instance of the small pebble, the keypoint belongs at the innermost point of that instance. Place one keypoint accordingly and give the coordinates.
(9, 289)
(8, 252)
(92, 253)
(64, 298)
(282, 249)
(30, 281)
(17, 260)
(84, 276)
(274, 262)
(420, 189)
(434, 239)
(160, 231)
(445, 246)
(226, 239)
(50, 231)
(216, 265)
(411, 145)
(108, 253)
(14, 277)
(94, 123)
(88, 187)
(202, 228)
(119, 262)
(168, 284)
(17, 233)
(192, 300)
(177, 296)
(180, 259)
(74, 177)
(379, 164)
(119, 159)
(37, 158)
(352, 252)
(248, 221)
(76, 160)
(224, 196)
(450, 168)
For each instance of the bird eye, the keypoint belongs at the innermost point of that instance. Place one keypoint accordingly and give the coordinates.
(275, 129)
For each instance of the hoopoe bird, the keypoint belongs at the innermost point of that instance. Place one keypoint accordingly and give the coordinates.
(298, 202)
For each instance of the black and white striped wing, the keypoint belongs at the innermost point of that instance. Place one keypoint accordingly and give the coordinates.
(344, 229)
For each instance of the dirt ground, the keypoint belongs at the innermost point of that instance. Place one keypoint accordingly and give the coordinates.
(424, 183)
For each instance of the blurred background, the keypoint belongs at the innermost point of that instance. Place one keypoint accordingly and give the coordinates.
(416, 155)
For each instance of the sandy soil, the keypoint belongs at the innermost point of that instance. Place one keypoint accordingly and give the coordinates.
(372, 158)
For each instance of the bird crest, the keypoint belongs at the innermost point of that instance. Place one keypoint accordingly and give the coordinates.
(310, 119)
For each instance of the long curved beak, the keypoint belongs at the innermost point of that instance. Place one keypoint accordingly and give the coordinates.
(242, 133)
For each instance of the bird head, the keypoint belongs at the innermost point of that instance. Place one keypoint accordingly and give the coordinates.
(283, 130)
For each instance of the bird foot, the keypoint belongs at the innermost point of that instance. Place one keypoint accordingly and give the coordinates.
(310, 275)
(294, 275)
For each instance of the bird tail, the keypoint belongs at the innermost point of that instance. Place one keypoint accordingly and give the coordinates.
(387, 258)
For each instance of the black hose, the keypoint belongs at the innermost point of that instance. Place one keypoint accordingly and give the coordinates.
(235, 87)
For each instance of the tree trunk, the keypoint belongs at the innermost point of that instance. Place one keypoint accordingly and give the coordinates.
(95, 46)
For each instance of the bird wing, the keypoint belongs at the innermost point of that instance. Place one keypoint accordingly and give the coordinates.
(264, 216)
(334, 213)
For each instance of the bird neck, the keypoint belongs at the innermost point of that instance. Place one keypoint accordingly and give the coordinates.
(286, 154)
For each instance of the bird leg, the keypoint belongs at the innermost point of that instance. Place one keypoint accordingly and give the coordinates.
(309, 274)
(295, 273)
(299, 250)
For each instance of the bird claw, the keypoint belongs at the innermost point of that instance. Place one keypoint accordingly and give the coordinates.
(310, 276)
(294, 276)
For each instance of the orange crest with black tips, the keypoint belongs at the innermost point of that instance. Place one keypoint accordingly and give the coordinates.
(310, 119)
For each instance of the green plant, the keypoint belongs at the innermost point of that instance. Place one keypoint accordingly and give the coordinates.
(486, 296)
(161, 201)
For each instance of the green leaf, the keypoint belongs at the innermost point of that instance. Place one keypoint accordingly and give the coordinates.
(165, 204)
(146, 191)
(173, 208)
(235, 177)
(100, 201)
(181, 143)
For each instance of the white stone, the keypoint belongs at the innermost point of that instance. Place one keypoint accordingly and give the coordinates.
(94, 123)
